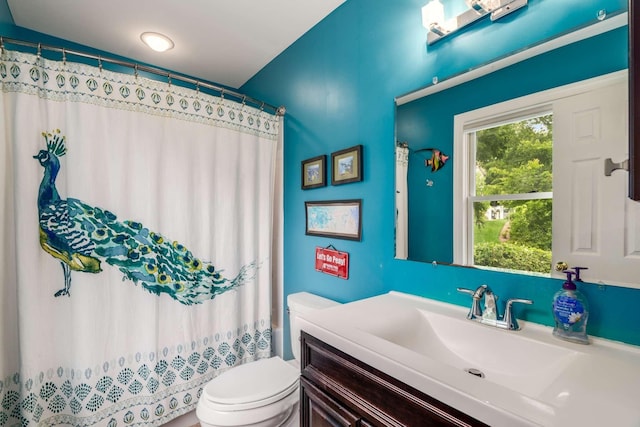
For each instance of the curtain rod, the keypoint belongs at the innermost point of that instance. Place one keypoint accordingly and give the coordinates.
(279, 111)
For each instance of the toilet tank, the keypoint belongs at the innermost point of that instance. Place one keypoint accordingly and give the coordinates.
(303, 302)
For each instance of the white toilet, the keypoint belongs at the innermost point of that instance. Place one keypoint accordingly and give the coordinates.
(263, 393)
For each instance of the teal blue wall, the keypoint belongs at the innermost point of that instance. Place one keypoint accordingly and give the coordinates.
(339, 82)
(428, 121)
(5, 14)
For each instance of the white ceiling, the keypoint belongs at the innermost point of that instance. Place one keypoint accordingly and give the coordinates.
(223, 41)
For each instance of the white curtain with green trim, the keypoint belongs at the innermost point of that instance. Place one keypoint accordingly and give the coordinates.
(135, 243)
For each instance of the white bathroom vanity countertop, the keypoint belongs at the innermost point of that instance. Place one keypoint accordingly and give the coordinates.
(531, 378)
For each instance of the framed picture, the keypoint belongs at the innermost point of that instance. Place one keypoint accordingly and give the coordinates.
(346, 165)
(314, 172)
(341, 219)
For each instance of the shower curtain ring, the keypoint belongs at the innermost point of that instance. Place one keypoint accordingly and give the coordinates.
(100, 63)
(64, 57)
(39, 55)
(198, 87)
(135, 71)
(169, 78)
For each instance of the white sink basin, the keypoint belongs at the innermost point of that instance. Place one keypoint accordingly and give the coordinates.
(507, 358)
(530, 378)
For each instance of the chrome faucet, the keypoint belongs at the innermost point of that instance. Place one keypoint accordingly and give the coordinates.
(490, 315)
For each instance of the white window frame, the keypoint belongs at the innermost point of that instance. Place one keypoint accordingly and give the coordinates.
(465, 127)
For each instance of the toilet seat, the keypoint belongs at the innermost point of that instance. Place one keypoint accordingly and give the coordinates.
(251, 385)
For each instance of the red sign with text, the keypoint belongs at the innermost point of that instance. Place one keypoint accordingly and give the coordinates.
(332, 262)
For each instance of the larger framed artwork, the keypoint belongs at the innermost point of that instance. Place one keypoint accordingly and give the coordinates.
(341, 219)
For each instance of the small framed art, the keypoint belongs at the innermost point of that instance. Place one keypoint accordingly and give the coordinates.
(341, 219)
(314, 172)
(346, 165)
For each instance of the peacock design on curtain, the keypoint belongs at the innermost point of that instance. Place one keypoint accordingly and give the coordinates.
(80, 236)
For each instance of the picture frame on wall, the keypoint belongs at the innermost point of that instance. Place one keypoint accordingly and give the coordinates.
(341, 219)
(346, 165)
(314, 172)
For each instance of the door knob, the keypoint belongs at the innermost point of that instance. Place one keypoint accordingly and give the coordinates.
(561, 266)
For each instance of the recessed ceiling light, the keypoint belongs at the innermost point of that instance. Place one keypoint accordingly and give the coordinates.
(156, 41)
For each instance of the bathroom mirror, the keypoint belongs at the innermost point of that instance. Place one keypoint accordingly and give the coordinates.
(425, 126)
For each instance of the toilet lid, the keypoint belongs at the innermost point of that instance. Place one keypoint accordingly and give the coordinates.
(252, 385)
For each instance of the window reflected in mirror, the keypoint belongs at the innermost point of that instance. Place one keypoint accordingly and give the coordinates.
(512, 198)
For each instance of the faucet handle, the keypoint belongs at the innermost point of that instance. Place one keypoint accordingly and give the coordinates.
(475, 311)
(466, 291)
(519, 300)
(509, 318)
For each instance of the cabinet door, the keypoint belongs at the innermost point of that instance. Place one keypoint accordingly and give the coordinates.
(319, 410)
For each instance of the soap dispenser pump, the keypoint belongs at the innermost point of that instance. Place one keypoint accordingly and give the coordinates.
(571, 312)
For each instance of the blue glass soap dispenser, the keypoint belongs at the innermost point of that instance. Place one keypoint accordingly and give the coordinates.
(571, 312)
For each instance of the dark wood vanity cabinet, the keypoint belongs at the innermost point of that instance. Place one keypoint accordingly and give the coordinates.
(339, 390)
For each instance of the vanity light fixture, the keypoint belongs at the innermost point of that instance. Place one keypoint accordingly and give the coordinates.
(433, 15)
(156, 41)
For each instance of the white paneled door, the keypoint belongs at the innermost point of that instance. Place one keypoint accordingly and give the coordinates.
(595, 225)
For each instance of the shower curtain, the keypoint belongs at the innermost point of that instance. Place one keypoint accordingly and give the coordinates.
(135, 243)
(402, 202)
